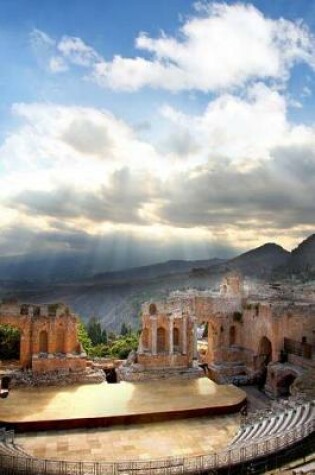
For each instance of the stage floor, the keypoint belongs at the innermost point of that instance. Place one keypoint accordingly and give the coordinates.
(123, 402)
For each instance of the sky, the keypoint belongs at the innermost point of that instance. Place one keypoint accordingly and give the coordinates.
(146, 130)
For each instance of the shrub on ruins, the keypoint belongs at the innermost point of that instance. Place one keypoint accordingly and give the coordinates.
(123, 345)
(84, 338)
(9, 342)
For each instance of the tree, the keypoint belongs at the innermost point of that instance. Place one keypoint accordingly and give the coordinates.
(94, 330)
(124, 329)
(9, 342)
(84, 338)
(104, 336)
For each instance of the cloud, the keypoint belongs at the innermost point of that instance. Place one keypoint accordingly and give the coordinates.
(77, 52)
(120, 201)
(238, 173)
(221, 47)
(225, 46)
(277, 194)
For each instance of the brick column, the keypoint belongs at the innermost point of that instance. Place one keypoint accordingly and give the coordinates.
(153, 335)
(171, 340)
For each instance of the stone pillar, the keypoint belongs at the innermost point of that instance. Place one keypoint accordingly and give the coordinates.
(184, 335)
(170, 330)
(25, 348)
(154, 335)
(140, 347)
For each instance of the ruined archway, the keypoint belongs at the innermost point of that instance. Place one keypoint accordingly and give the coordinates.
(264, 351)
(43, 341)
(263, 358)
(161, 340)
(284, 383)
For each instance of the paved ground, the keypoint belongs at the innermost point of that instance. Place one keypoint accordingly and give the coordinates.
(141, 441)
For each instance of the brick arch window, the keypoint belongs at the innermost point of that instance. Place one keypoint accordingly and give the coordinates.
(161, 340)
(43, 342)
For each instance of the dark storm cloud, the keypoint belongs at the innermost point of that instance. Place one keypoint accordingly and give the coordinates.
(279, 193)
(33, 253)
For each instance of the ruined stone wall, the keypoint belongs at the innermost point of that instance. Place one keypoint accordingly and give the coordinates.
(50, 330)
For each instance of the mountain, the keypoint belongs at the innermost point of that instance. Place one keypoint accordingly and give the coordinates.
(116, 297)
(260, 262)
(302, 258)
(156, 270)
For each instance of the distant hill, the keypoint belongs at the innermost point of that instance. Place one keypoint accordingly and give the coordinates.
(116, 297)
(262, 261)
(302, 259)
(157, 270)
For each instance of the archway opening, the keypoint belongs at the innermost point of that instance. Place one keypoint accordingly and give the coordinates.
(263, 359)
(161, 340)
(10, 342)
(176, 339)
(43, 342)
(284, 384)
(265, 350)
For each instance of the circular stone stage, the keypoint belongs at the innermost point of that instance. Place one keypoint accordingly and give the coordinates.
(103, 405)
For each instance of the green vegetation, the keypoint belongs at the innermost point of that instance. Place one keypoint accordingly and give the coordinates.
(9, 343)
(98, 343)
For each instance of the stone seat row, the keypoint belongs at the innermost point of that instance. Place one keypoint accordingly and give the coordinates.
(274, 425)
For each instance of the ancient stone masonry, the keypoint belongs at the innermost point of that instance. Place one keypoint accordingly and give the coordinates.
(267, 339)
(49, 340)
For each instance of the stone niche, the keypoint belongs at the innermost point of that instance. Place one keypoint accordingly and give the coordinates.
(49, 339)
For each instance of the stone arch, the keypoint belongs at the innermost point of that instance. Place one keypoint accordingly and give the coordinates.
(263, 359)
(284, 383)
(43, 341)
(232, 335)
(145, 338)
(152, 309)
(161, 340)
(265, 350)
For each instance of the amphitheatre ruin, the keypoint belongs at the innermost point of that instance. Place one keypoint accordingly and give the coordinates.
(222, 382)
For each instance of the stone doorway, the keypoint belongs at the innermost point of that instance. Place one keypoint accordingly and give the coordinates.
(264, 353)
(264, 357)
(284, 384)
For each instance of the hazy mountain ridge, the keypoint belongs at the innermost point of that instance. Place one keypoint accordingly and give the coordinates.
(116, 297)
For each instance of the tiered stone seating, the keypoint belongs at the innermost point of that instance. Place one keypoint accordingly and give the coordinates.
(275, 424)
